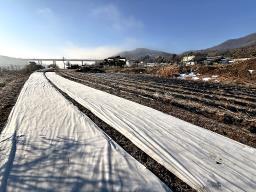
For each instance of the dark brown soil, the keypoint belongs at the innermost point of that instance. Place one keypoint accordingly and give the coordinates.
(224, 109)
(12, 84)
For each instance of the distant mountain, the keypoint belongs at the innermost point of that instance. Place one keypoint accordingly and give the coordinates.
(12, 63)
(247, 41)
(141, 53)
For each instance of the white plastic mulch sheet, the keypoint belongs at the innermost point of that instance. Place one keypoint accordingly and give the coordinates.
(49, 145)
(203, 159)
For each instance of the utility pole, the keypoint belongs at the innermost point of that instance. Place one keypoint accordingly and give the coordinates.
(64, 62)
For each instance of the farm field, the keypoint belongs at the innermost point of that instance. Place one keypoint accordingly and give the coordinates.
(170, 141)
(127, 96)
(73, 129)
(52, 146)
(10, 86)
(227, 110)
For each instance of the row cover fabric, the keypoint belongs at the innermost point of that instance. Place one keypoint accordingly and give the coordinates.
(49, 145)
(203, 159)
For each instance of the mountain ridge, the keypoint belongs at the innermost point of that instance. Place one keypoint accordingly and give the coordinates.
(139, 53)
(245, 41)
(244, 46)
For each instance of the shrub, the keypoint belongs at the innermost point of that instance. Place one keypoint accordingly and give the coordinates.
(31, 67)
(168, 71)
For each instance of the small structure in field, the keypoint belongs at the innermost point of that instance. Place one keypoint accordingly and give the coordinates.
(131, 63)
(115, 61)
(217, 60)
(189, 60)
(225, 61)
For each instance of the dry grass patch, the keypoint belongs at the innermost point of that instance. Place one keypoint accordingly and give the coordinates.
(168, 71)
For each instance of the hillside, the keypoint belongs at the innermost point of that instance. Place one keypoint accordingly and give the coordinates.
(12, 63)
(246, 41)
(243, 47)
(243, 52)
(143, 53)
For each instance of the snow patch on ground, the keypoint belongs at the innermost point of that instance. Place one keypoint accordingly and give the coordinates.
(206, 78)
(196, 77)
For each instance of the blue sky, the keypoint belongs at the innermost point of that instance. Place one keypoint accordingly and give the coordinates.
(99, 28)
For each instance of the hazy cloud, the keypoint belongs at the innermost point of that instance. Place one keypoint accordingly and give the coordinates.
(100, 52)
(68, 49)
(44, 11)
(112, 15)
